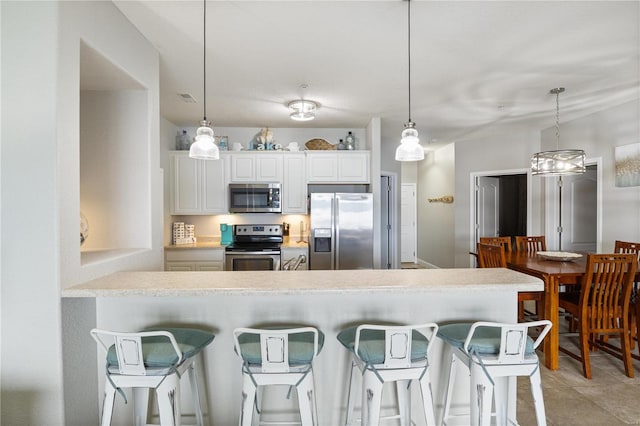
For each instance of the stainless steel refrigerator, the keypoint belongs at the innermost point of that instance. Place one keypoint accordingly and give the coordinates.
(341, 231)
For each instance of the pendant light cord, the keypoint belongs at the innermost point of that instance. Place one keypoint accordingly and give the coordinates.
(557, 121)
(204, 57)
(409, 50)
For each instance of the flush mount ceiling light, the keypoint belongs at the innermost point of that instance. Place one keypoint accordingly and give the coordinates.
(409, 149)
(558, 162)
(303, 110)
(203, 148)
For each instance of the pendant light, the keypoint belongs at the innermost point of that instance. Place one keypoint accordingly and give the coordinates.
(204, 148)
(409, 149)
(558, 162)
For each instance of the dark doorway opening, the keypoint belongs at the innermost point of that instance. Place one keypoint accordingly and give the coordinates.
(513, 205)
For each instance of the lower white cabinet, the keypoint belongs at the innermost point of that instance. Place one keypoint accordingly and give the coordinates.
(194, 259)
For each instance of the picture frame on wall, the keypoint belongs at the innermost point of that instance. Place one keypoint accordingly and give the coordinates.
(627, 159)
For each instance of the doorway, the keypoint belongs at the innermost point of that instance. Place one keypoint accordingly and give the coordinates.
(501, 205)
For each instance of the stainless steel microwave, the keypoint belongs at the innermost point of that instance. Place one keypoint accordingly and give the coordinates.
(255, 198)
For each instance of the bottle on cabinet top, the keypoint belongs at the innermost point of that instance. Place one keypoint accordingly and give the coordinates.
(350, 141)
(183, 141)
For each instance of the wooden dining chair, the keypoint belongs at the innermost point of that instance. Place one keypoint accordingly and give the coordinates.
(503, 241)
(603, 308)
(491, 256)
(633, 248)
(532, 244)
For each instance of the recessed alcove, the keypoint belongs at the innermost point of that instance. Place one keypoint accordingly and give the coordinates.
(115, 192)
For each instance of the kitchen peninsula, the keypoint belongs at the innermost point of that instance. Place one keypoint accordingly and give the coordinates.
(330, 300)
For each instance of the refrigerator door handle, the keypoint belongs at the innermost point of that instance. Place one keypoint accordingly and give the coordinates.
(336, 233)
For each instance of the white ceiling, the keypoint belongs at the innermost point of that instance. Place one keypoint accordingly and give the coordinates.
(474, 64)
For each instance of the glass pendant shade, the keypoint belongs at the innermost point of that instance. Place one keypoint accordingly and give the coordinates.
(557, 163)
(303, 110)
(204, 148)
(410, 148)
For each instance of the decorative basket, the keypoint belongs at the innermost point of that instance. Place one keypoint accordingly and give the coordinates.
(319, 145)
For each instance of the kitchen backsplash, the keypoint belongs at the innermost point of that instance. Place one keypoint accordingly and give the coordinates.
(210, 225)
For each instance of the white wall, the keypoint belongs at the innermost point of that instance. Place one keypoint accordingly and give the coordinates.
(113, 181)
(505, 149)
(598, 134)
(436, 178)
(31, 345)
(40, 206)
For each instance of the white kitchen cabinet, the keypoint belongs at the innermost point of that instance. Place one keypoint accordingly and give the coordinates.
(194, 259)
(292, 253)
(198, 187)
(294, 184)
(256, 167)
(338, 167)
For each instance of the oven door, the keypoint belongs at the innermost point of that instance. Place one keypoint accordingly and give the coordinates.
(252, 261)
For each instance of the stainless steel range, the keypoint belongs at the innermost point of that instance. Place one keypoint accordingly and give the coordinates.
(254, 248)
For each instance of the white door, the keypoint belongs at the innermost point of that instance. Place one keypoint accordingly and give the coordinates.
(408, 227)
(579, 211)
(487, 207)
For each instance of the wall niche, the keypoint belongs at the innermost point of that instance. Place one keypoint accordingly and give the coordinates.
(115, 191)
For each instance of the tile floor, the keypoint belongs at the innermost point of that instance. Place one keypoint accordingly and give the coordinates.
(610, 398)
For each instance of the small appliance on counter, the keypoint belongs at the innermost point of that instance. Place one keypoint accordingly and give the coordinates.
(226, 234)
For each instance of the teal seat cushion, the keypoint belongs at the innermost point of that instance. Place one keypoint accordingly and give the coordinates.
(371, 346)
(158, 352)
(486, 340)
(300, 347)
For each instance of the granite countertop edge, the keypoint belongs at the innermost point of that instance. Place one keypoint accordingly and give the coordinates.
(171, 284)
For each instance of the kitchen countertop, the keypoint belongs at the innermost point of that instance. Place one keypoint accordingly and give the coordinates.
(308, 282)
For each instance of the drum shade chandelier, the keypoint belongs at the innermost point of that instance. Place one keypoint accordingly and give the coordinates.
(409, 149)
(204, 148)
(302, 110)
(558, 162)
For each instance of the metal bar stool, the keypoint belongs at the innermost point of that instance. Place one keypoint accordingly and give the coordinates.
(384, 354)
(282, 356)
(154, 358)
(493, 352)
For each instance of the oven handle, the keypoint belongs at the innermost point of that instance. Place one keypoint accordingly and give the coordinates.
(251, 253)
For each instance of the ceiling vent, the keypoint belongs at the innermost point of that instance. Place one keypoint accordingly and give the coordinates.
(186, 97)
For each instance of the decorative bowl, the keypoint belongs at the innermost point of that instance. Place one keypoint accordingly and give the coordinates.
(319, 144)
(560, 256)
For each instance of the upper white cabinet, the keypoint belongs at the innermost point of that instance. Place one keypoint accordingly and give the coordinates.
(338, 167)
(198, 186)
(294, 183)
(256, 167)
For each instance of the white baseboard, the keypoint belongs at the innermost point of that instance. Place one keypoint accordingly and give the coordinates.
(426, 264)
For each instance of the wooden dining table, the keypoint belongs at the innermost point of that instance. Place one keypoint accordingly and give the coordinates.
(554, 274)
